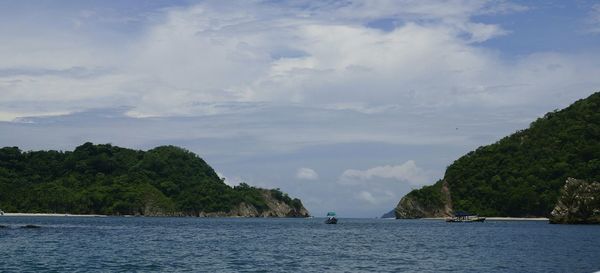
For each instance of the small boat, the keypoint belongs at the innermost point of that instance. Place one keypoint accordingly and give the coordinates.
(331, 218)
(464, 217)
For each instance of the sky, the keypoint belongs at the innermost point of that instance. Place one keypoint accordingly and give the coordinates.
(347, 105)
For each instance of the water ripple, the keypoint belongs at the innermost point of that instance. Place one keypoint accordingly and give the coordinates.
(116, 244)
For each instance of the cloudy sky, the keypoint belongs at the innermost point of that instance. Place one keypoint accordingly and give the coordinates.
(345, 104)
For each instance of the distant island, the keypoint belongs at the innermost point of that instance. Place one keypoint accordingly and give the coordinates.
(522, 175)
(110, 180)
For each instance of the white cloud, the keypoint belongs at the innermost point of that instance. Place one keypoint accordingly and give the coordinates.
(282, 74)
(380, 196)
(367, 197)
(407, 172)
(307, 174)
(321, 54)
(205, 55)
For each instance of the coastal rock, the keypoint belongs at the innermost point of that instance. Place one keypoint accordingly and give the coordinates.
(278, 208)
(275, 208)
(579, 203)
(244, 210)
(412, 207)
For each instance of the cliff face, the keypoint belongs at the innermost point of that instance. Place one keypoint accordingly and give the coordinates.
(432, 201)
(579, 203)
(275, 208)
(279, 208)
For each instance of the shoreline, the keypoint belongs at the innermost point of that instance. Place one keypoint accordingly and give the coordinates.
(20, 214)
(500, 218)
(517, 218)
(23, 214)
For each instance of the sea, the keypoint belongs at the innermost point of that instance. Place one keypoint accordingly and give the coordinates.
(154, 244)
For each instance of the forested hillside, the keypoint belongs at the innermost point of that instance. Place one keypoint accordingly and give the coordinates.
(521, 174)
(105, 179)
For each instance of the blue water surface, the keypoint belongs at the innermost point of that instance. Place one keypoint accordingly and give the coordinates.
(144, 244)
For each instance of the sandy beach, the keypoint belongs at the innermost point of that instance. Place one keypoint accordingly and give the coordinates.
(501, 218)
(52, 214)
(516, 219)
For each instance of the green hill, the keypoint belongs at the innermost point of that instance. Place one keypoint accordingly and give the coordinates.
(105, 179)
(522, 174)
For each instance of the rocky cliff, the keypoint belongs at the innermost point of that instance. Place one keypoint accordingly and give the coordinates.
(275, 208)
(579, 203)
(431, 201)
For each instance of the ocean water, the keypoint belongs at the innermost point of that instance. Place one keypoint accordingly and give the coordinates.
(138, 244)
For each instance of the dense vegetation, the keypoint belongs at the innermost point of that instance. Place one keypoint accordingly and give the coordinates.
(105, 179)
(522, 174)
(430, 197)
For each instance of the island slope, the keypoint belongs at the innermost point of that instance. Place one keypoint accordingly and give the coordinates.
(106, 179)
(520, 175)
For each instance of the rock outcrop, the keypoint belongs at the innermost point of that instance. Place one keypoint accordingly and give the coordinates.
(579, 203)
(275, 208)
(278, 208)
(436, 203)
